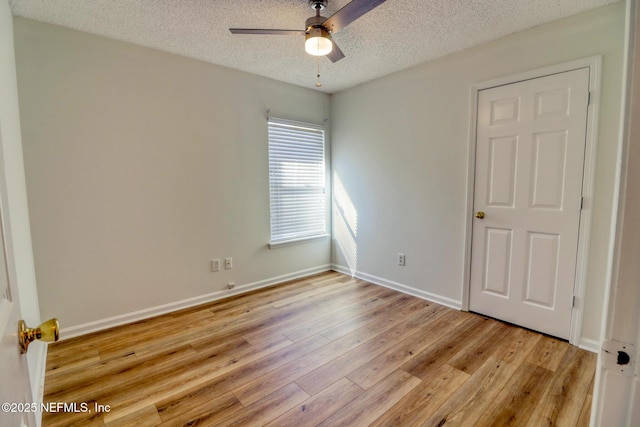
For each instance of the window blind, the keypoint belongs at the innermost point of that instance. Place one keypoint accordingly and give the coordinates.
(296, 180)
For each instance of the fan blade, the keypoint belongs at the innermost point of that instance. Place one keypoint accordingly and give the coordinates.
(336, 54)
(268, 32)
(349, 13)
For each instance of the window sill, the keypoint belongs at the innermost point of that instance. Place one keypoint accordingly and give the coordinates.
(274, 245)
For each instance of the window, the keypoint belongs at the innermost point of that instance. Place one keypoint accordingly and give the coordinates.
(296, 181)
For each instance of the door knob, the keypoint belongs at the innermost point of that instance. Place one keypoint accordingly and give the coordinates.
(48, 331)
(479, 214)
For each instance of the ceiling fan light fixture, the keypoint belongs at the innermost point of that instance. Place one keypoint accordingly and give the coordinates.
(318, 42)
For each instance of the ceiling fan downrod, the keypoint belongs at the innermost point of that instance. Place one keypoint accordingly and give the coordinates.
(316, 21)
(317, 5)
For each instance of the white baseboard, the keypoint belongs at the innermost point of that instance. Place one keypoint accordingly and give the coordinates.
(428, 296)
(589, 345)
(98, 325)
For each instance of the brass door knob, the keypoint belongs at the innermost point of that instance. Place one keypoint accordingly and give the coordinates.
(48, 331)
(479, 214)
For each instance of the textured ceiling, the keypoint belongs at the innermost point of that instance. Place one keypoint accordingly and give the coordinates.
(396, 35)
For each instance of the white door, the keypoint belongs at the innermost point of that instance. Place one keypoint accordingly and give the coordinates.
(15, 388)
(530, 144)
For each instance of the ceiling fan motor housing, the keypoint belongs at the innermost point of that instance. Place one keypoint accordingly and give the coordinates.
(315, 22)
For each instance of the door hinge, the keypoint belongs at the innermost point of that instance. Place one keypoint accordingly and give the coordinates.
(581, 203)
(589, 98)
(573, 301)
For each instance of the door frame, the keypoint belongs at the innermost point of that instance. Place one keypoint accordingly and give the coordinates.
(594, 64)
(616, 396)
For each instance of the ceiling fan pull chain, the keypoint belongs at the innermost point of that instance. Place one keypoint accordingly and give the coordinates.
(318, 84)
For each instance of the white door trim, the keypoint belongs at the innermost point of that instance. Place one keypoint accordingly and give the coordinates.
(594, 63)
(616, 395)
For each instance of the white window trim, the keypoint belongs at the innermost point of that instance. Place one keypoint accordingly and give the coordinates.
(295, 239)
(279, 244)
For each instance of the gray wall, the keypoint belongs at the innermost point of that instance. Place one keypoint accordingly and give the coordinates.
(401, 158)
(141, 167)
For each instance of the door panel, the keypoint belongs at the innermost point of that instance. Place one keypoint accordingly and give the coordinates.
(542, 268)
(530, 146)
(548, 170)
(504, 152)
(552, 103)
(498, 257)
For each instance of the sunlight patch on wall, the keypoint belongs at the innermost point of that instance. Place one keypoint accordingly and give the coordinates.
(345, 224)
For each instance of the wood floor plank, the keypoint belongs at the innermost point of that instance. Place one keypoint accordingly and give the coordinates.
(268, 408)
(343, 365)
(198, 406)
(200, 373)
(148, 333)
(558, 407)
(398, 312)
(382, 365)
(318, 318)
(548, 353)
(329, 319)
(81, 376)
(287, 354)
(428, 360)
(516, 345)
(585, 413)
(371, 404)
(473, 397)
(365, 317)
(60, 363)
(95, 387)
(323, 291)
(383, 316)
(277, 378)
(316, 409)
(518, 398)
(479, 347)
(145, 417)
(421, 402)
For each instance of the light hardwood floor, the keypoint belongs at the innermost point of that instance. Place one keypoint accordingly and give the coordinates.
(326, 350)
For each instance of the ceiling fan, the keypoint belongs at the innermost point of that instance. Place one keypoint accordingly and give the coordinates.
(318, 29)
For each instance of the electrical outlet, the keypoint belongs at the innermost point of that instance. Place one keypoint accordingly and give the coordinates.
(228, 263)
(401, 259)
(215, 265)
